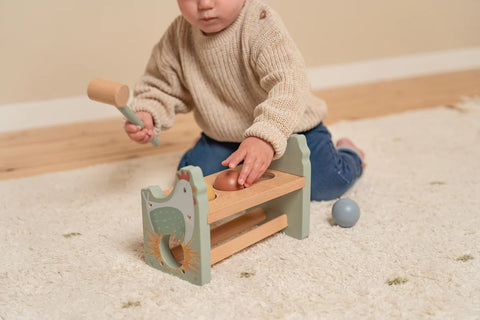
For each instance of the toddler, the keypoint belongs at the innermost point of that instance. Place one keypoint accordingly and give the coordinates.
(234, 65)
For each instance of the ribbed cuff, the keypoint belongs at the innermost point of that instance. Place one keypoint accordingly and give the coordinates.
(271, 134)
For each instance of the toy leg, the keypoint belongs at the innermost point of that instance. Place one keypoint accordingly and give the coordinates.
(296, 204)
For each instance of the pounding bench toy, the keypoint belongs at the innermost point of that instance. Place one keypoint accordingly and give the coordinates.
(177, 223)
(117, 95)
(178, 237)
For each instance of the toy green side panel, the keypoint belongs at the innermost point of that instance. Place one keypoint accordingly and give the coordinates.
(296, 205)
(181, 215)
(201, 234)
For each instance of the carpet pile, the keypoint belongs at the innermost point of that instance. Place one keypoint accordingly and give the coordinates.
(71, 242)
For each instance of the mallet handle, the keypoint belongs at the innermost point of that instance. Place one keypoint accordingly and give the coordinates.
(133, 118)
(116, 94)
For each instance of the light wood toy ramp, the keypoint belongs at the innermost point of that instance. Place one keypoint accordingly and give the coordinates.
(177, 235)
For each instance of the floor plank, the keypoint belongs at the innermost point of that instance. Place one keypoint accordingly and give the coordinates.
(388, 97)
(31, 152)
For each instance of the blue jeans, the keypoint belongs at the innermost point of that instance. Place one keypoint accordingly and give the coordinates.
(334, 170)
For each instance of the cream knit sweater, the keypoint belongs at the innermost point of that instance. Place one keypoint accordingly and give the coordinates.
(247, 80)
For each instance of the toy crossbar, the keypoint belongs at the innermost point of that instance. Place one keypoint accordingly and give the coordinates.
(117, 95)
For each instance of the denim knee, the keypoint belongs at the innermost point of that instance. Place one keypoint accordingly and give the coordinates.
(333, 171)
(331, 182)
(208, 154)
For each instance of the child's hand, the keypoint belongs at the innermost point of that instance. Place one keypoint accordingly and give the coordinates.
(256, 154)
(137, 134)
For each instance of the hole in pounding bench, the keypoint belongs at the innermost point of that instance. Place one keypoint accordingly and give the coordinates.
(172, 252)
(176, 250)
(266, 176)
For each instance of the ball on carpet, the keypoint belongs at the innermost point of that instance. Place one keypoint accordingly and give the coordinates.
(346, 212)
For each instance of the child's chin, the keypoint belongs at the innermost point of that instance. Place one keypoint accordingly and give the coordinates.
(212, 30)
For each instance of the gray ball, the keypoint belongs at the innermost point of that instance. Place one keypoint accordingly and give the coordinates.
(346, 212)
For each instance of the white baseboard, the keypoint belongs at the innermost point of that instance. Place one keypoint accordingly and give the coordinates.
(55, 112)
(394, 68)
(30, 115)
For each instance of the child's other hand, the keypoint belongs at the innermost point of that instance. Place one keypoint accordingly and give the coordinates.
(256, 154)
(137, 134)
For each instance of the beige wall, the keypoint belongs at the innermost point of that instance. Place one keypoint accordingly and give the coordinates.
(51, 48)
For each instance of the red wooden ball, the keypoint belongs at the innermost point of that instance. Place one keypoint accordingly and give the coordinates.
(227, 181)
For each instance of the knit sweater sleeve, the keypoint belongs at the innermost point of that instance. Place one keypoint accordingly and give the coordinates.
(281, 71)
(160, 91)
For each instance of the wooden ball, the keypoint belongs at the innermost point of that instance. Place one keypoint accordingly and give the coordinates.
(210, 192)
(227, 181)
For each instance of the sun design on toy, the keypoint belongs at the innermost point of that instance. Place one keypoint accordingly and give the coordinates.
(190, 257)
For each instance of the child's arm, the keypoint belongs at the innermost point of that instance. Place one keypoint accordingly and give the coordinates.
(281, 73)
(257, 154)
(161, 91)
(136, 133)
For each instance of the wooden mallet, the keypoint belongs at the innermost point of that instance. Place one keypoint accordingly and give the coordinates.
(117, 95)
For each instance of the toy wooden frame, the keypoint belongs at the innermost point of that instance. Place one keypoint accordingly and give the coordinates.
(281, 203)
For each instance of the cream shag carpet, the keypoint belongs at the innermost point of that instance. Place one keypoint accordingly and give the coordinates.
(71, 242)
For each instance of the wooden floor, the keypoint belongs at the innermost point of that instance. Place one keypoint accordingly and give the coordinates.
(31, 152)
